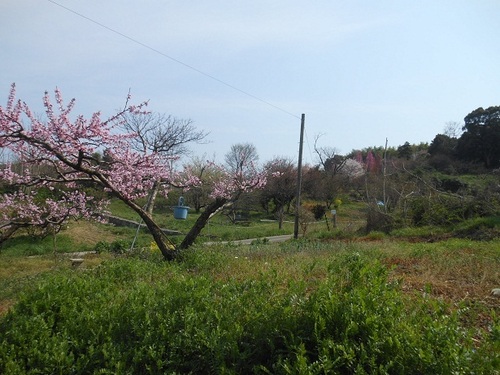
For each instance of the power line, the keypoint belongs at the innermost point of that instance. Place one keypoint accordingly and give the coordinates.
(172, 58)
(308, 146)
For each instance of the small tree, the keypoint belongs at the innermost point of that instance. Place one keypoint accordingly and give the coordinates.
(281, 185)
(332, 180)
(227, 188)
(242, 158)
(329, 158)
(41, 214)
(453, 129)
(306, 217)
(405, 151)
(162, 134)
(207, 172)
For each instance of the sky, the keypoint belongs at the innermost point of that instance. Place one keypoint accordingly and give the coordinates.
(245, 71)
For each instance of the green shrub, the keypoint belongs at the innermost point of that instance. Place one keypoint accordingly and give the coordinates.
(335, 234)
(484, 228)
(375, 235)
(102, 247)
(441, 210)
(132, 316)
(424, 231)
(378, 220)
(119, 246)
(260, 241)
(318, 211)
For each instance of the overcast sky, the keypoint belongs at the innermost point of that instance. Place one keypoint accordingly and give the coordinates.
(245, 71)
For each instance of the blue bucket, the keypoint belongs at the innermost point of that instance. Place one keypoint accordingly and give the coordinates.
(181, 212)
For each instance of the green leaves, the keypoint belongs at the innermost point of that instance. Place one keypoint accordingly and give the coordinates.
(135, 316)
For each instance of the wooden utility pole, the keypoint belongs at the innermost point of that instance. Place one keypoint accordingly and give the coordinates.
(384, 166)
(299, 178)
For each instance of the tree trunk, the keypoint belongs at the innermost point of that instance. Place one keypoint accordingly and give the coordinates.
(167, 250)
(384, 182)
(280, 217)
(152, 198)
(201, 222)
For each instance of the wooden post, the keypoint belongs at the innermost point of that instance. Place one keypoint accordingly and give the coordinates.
(384, 167)
(299, 178)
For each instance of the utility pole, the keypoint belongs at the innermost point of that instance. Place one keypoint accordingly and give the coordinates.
(299, 178)
(385, 177)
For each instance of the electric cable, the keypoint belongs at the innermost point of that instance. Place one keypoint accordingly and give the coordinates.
(172, 58)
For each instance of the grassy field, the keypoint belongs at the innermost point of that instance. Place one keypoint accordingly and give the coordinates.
(443, 286)
(418, 301)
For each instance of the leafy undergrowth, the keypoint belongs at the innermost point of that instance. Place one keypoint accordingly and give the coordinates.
(303, 307)
(478, 229)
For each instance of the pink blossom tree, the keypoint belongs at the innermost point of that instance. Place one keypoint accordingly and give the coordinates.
(227, 186)
(27, 210)
(66, 150)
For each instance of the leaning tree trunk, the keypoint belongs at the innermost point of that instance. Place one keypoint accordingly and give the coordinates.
(201, 222)
(167, 250)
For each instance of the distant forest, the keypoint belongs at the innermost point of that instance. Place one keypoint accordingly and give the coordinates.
(471, 148)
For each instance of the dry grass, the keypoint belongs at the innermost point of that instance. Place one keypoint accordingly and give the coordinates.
(88, 233)
(462, 272)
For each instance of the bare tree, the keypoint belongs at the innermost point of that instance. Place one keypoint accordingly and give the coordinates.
(332, 181)
(329, 158)
(207, 172)
(241, 157)
(241, 160)
(453, 129)
(157, 132)
(164, 134)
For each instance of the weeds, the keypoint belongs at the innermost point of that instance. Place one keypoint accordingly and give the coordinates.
(261, 309)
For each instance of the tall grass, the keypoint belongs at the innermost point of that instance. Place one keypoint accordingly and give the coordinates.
(302, 307)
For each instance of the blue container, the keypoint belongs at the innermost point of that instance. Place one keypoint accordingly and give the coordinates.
(181, 211)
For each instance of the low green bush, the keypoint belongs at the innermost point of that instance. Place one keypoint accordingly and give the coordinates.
(102, 247)
(318, 211)
(334, 234)
(131, 316)
(119, 246)
(484, 228)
